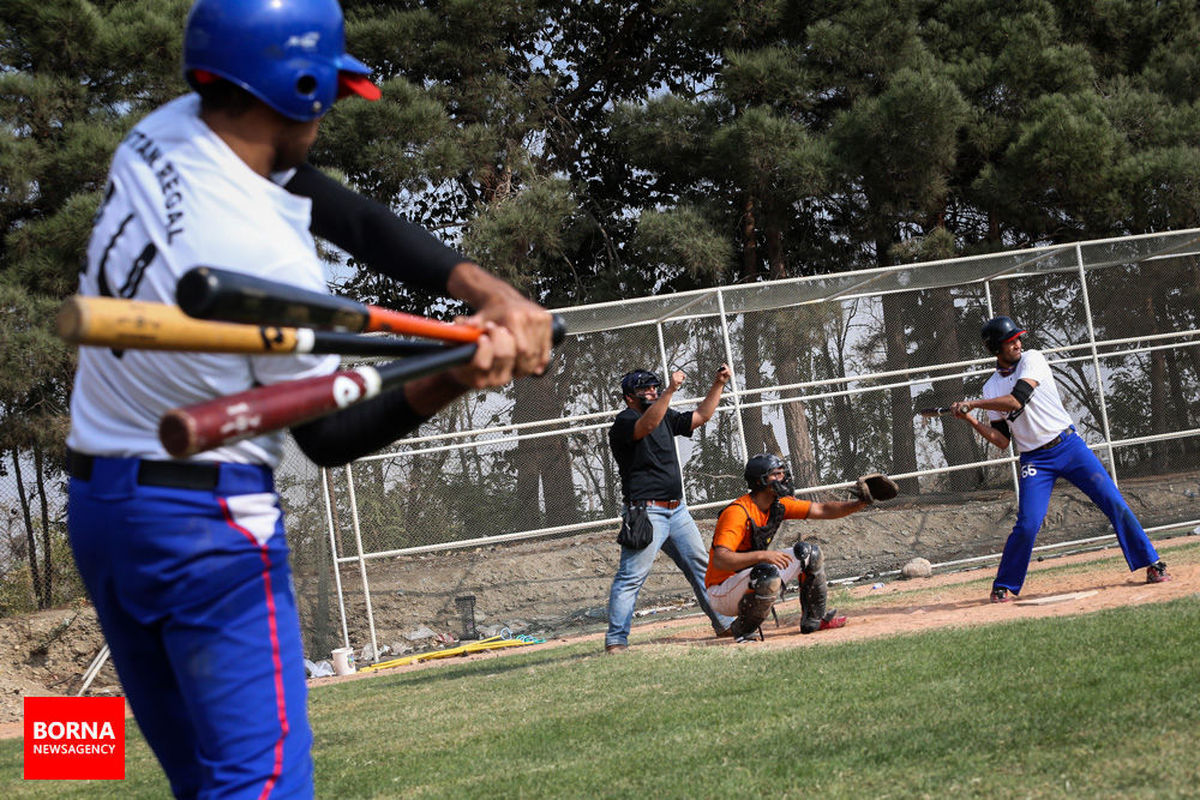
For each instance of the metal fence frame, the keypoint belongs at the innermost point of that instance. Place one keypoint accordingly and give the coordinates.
(985, 270)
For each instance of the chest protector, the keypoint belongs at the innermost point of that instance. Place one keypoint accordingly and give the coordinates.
(761, 535)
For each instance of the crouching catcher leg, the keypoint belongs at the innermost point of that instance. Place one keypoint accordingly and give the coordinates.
(814, 587)
(761, 594)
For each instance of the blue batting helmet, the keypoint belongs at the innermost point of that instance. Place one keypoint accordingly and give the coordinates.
(998, 330)
(291, 54)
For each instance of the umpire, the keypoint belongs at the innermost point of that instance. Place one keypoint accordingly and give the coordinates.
(642, 442)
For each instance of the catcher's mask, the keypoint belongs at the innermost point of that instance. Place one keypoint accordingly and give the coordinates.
(762, 465)
(997, 331)
(635, 384)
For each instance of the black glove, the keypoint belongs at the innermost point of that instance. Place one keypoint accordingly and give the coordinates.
(876, 487)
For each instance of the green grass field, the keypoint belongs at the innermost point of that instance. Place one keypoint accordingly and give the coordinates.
(1103, 705)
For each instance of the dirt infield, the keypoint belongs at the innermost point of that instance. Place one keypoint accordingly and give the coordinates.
(956, 599)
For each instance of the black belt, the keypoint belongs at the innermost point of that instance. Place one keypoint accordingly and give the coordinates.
(657, 503)
(172, 474)
(1057, 440)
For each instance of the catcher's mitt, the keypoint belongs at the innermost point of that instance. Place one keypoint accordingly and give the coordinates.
(876, 487)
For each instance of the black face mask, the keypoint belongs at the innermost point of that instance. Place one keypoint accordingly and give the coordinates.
(783, 488)
(643, 401)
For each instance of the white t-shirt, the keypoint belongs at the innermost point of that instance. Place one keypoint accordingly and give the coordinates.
(1043, 417)
(177, 198)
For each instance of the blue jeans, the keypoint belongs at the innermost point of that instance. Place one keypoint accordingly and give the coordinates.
(676, 534)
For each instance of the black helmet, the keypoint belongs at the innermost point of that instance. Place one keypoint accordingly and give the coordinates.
(998, 330)
(638, 379)
(762, 465)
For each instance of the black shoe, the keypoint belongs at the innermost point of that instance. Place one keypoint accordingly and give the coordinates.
(1000, 595)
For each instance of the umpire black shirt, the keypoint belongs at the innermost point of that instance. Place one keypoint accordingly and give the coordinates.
(649, 469)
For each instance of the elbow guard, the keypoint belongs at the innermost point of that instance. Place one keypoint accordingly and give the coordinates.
(1002, 426)
(1022, 391)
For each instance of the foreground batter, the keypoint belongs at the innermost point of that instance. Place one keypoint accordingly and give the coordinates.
(745, 576)
(186, 561)
(1023, 406)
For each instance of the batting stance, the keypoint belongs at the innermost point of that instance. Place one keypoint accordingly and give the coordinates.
(186, 561)
(1023, 406)
(745, 576)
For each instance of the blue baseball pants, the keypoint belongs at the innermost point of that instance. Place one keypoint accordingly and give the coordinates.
(193, 591)
(1070, 459)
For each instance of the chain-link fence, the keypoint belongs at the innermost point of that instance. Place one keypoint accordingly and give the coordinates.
(828, 371)
(513, 495)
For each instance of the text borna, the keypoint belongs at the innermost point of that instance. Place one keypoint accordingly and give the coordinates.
(73, 730)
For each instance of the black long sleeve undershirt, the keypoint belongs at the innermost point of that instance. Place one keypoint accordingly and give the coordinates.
(357, 431)
(391, 246)
(372, 233)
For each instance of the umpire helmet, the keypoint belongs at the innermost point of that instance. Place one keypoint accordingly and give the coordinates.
(631, 382)
(762, 465)
(998, 330)
(291, 54)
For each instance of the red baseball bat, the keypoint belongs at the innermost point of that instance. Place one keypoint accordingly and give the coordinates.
(224, 420)
(220, 294)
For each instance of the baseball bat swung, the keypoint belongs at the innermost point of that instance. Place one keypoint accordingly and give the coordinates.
(135, 324)
(224, 420)
(942, 411)
(219, 294)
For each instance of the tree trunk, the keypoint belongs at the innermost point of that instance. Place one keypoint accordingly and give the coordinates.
(751, 373)
(845, 422)
(545, 486)
(754, 423)
(30, 537)
(958, 441)
(904, 446)
(787, 369)
(47, 598)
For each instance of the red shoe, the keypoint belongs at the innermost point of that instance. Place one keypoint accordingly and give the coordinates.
(828, 622)
(1157, 573)
(1000, 595)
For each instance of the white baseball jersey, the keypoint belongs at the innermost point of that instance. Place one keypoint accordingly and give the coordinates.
(177, 198)
(1043, 417)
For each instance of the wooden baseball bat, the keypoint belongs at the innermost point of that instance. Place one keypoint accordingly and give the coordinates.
(224, 420)
(219, 294)
(135, 324)
(942, 411)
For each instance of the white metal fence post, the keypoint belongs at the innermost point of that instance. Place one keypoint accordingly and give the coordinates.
(733, 377)
(362, 562)
(1087, 305)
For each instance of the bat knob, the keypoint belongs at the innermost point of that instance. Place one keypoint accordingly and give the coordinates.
(195, 292)
(558, 330)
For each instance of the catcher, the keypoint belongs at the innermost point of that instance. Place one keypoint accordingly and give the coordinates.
(745, 577)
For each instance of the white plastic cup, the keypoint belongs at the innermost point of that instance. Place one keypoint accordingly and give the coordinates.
(343, 661)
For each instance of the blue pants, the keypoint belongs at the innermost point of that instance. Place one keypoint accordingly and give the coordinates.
(676, 534)
(193, 592)
(1071, 459)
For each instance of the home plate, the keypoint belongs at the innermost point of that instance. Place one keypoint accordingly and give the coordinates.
(1056, 598)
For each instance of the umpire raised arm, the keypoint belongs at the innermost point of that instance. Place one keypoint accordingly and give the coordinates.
(642, 442)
